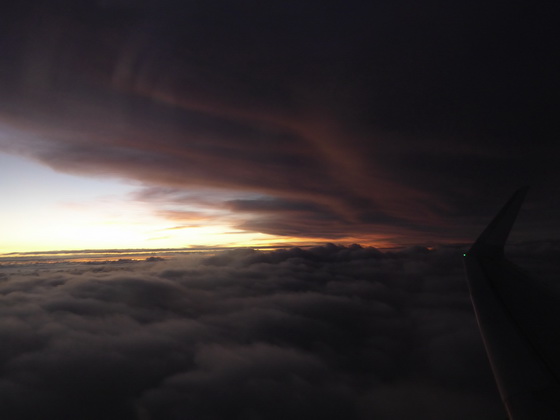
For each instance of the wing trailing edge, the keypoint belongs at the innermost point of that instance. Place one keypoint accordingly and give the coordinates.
(517, 317)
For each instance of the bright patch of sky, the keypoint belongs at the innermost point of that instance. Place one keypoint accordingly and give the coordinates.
(44, 210)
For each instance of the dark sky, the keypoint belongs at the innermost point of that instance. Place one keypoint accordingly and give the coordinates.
(323, 119)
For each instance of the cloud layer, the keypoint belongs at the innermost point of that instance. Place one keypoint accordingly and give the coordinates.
(330, 332)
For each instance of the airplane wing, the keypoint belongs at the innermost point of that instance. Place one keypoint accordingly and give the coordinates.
(519, 320)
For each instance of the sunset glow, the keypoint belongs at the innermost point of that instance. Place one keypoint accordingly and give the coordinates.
(50, 211)
(53, 211)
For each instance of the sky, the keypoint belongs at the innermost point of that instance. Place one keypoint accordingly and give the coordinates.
(161, 124)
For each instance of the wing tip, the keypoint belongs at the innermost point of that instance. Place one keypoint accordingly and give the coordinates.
(492, 240)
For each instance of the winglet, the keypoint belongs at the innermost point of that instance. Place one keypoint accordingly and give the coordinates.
(491, 242)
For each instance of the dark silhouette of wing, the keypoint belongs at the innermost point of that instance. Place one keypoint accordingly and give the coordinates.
(518, 318)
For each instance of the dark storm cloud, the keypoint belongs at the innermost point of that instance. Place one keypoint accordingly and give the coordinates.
(374, 114)
(329, 332)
